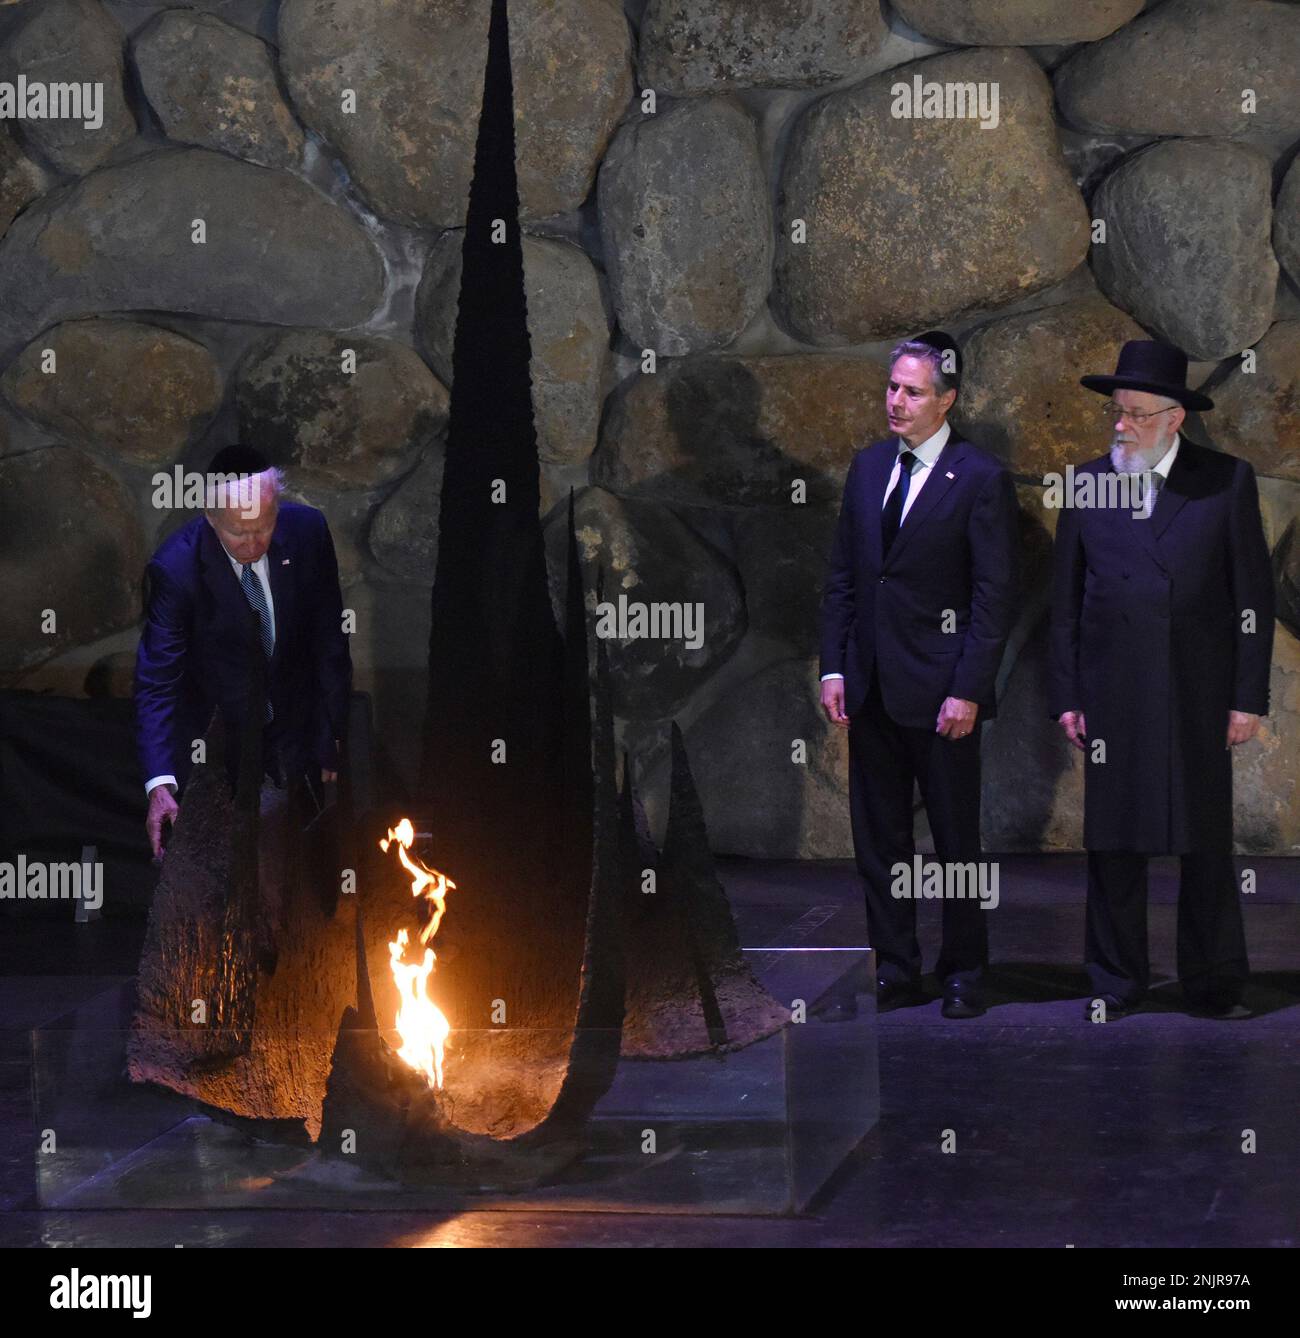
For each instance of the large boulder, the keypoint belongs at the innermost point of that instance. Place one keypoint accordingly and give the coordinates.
(1020, 395)
(735, 432)
(137, 390)
(1257, 414)
(571, 63)
(567, 330)
(298, 401)
(1185, 68)
(1266, 771)
(71, 42)
(403, 533)
(649, 557)
(1016, 22)
(686, 226)
(215, 85)
(123, 239)
(415, 69)
(71, 556)
(771, 771)
(912, 222)
(1286, 223)
(782, 557)
(688, 47)
(21, 180)
(1186, 249)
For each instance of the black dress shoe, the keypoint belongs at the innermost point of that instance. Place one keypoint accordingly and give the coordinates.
(961, 999)
(897, 994)
(1112, 1008)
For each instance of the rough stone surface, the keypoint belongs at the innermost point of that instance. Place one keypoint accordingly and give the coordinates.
(1007, 221)
(21, 180)
(416, 67)
(74, 42)
(650, 556)
(137, 390)
(356, 429)
(1187, 244)
(70, 542)
(1286, 572)
(1265, 787)
(567, 329)
(214, 85)
(1020, 395)
(1257, 414)
(121, 239)
(1016, 22)
(1286, 224)
(710, 46)
(758, 799)
(736, 431)
(571, 62)
(782, 557)
(686, 225)
(404, 531)
(416, 70)
(1196, 58)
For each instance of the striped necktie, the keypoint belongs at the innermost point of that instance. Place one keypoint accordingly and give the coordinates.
(257, 598)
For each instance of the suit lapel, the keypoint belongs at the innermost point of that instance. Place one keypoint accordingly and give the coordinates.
(280, 573)
(880, 463)
(1169, 502)
(943, 475)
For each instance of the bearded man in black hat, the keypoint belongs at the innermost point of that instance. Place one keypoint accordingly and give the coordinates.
(918, 603)
(1161, 639)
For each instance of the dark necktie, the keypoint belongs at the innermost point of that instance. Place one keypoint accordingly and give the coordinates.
(892, 516)
(253, 591)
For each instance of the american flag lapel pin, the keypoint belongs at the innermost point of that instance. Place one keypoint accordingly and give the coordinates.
(284, 562)
(950, 474)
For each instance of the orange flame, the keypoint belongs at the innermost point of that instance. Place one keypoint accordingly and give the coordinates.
(420, 1023)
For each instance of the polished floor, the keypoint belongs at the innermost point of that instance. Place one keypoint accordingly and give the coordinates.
(1028, 1126)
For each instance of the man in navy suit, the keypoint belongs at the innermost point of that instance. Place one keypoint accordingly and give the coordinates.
(918, 604)
(253, 571)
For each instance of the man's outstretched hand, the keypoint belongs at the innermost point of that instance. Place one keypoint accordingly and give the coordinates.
(162, 809)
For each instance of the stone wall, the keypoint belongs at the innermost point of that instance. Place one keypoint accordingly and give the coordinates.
(719, 182)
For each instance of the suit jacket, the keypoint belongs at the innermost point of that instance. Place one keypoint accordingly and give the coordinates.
(1148, 640)
(193, 653)
(956, 552)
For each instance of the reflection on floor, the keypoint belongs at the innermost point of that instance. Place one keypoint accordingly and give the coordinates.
(1060, 1132)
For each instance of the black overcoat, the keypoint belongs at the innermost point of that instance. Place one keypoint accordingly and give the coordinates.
(1159, 628)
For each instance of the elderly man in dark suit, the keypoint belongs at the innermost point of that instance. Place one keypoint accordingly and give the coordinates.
(253, 571)
(1161, 638)
(918, 604)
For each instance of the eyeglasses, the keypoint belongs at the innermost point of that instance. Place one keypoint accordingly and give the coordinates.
(1114, 411)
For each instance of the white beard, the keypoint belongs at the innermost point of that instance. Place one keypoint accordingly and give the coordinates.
(1133, 460)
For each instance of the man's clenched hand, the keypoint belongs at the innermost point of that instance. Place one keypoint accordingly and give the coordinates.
(162, 809)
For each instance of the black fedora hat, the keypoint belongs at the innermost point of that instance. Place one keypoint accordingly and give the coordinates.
(1147, 364)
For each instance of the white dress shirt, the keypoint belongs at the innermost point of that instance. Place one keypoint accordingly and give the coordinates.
(927, 453)
(261, 570)
(1165, 464)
